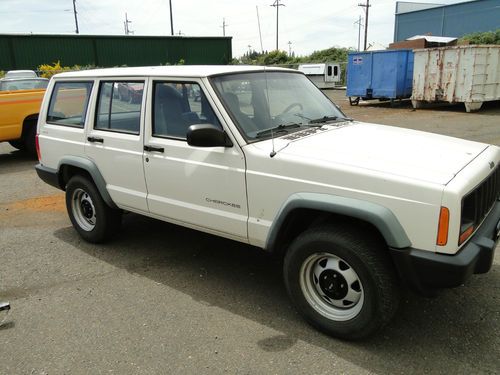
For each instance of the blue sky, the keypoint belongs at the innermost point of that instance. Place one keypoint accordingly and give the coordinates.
(308, 24)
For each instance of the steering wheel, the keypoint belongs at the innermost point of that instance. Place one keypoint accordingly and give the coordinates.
(287, 109)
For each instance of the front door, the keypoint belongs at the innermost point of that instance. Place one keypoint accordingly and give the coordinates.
(201, 187)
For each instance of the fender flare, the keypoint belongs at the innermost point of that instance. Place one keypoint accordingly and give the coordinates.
(379, 216)
(91, 168)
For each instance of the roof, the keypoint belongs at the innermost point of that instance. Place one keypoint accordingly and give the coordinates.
(312, 69)
(433, 39)
(169, 70)
(427, 6)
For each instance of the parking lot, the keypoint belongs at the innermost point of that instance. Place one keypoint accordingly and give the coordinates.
(164, 299)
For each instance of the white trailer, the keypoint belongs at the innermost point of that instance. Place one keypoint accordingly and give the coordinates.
(324, 76)
(463, 74)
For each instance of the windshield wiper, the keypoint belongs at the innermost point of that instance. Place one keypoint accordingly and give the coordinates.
(324, 119)
(278, 129)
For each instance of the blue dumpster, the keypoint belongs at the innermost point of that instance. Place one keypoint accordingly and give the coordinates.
(379, 75)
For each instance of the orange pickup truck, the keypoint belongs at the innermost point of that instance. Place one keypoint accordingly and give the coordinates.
(18, 117)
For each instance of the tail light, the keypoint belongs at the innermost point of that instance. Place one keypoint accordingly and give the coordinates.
(37, 145)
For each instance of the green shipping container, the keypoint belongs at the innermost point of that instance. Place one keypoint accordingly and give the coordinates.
(31, 51)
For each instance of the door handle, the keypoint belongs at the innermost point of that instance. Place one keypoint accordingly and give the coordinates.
(95, 139)
(153, 148)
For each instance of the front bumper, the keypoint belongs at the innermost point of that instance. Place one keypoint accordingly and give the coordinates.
(425, 270)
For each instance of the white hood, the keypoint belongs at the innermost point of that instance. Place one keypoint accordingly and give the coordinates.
(407, 153)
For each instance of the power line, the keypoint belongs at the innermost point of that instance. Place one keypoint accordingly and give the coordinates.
(366, 6)
(358, 22)
(125, 24)
(224, 25)
(277, 5)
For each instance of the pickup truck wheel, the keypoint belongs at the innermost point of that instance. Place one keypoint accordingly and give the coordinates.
(17, 144)
(341, 281)
(29, 138)
(93, 219)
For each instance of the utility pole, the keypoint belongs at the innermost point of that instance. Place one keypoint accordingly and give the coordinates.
(249, 50)
(366, 6)
(171, 19)
(289, 48)
(277, 5)
(76, 18)
(224, 25)
(260, 34)
(125, 24)
(358, 22)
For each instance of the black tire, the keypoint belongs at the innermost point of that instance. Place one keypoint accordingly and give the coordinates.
(19, 144)
(92, 218)
(351, 254)
(29, 138)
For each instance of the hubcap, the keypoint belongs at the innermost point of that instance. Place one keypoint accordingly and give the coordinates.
(83, 209)
(331, 286)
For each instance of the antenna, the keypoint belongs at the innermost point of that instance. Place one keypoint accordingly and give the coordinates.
(76, 18)
(260, 33)
(171, 19)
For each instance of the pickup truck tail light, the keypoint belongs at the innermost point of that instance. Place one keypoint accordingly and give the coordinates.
(37, 145)
(444, 223)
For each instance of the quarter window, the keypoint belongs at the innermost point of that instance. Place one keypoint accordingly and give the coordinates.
(119, 107)
(68, 104)
(178, 105)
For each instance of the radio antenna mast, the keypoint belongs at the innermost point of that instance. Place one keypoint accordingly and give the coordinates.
(260, 33)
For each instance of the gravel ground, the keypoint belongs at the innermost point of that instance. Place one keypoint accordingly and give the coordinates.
(165, 299)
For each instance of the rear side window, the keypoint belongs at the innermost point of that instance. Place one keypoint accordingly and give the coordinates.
(119, 107)
(68, 103)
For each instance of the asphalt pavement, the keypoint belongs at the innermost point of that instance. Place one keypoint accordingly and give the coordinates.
(162, 299)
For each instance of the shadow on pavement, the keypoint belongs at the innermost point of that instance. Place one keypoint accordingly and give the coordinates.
(456, 331)
(15, 161)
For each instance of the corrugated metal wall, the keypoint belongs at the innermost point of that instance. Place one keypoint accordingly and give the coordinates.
(453, 20)
(30, 51)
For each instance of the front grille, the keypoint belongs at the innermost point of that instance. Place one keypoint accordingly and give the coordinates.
(477, 203)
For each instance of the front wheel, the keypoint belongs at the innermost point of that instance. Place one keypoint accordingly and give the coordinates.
(93, 219)
(341, 280)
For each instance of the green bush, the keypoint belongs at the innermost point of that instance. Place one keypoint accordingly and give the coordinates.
(488, 37)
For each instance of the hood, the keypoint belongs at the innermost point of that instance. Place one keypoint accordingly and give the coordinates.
(386, 149)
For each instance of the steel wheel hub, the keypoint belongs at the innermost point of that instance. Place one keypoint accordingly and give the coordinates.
(331, 286)
(83, 209)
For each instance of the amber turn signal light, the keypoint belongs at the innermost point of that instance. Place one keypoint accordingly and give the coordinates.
(444, 223)
(465, 235)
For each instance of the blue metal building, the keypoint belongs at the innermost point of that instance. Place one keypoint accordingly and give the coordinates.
(454, 20)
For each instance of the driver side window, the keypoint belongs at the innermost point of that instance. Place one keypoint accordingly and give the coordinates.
(178, 105)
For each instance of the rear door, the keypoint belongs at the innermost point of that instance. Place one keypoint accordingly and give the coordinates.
(114, 140)
(202, 187)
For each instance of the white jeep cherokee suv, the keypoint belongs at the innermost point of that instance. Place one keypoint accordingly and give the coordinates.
(260, 155)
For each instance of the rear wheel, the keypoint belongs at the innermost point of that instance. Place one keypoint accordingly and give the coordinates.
(19, 144)
(93, 219)
(29, 138)
(341, 280)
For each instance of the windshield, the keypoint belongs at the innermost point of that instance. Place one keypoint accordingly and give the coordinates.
(272, 100)
(23, 84)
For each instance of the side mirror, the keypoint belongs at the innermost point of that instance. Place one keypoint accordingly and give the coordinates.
(207, 135)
